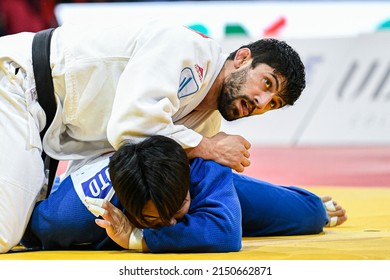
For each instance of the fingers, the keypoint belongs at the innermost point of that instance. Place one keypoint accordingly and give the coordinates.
(245, 154)
(98, 211)
(103, 223)
(246, 144)
(228, 150)
(332, 208)
(329, 205)
(341, 219)
(337, 218)
(339, 211)
(332, 222)
(95, 205)
(94, 201)
(239, 164)
(99, 202)
(336, 213)
(244, 163)
(100, 207)
(240, 167)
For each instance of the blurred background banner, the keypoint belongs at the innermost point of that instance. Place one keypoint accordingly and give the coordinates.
(218, 19)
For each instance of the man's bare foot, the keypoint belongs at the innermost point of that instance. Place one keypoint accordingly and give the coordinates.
(336, 213)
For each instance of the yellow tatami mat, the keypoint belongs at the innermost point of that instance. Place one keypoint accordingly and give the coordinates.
(365, 236)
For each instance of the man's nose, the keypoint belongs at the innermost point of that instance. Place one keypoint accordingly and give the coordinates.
(262, 100)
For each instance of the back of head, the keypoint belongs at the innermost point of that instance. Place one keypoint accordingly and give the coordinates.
(155, 169)
(286, 62)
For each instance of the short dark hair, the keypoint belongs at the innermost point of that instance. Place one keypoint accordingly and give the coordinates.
(155, 169)
(286, 62)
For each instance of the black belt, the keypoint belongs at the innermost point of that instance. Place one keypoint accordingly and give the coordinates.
(45, 90)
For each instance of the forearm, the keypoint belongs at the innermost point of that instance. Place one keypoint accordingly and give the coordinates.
(216, 235)
(200, 151)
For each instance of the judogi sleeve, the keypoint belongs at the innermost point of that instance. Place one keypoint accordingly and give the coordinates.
(213, 223)
(269, 209)
(166, 78)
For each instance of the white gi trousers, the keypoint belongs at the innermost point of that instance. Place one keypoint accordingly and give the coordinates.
(21, 119)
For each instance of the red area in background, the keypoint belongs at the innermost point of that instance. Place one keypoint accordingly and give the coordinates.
(330, 166)
(317, 166)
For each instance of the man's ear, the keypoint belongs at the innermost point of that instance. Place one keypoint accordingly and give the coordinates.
(242, 56)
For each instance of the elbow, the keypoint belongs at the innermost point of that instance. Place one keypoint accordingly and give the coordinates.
(8, 238)
(234, 243)
(229, 241)
(236, 239)
(223, 244)
(228, 245)
(5, 245)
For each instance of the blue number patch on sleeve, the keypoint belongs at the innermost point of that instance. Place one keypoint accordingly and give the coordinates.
(93, 180)
(99, 185)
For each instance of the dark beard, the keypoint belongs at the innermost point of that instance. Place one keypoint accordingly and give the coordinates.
(231, 91)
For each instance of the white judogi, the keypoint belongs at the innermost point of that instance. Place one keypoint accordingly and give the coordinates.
(112, 82)
(120, 82)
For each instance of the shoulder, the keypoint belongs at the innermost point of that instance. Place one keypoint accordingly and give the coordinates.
(209, 174)
(200, 165)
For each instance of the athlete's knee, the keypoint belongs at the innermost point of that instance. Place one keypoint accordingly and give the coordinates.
(10, 231)
(14, 214)
(7, 242)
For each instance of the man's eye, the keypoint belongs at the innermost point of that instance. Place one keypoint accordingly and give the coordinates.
(267, 83)
(272, 104)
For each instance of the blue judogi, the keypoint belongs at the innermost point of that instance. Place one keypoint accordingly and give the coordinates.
(224, 207)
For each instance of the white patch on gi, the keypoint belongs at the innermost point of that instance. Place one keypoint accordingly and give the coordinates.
(188, 84)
